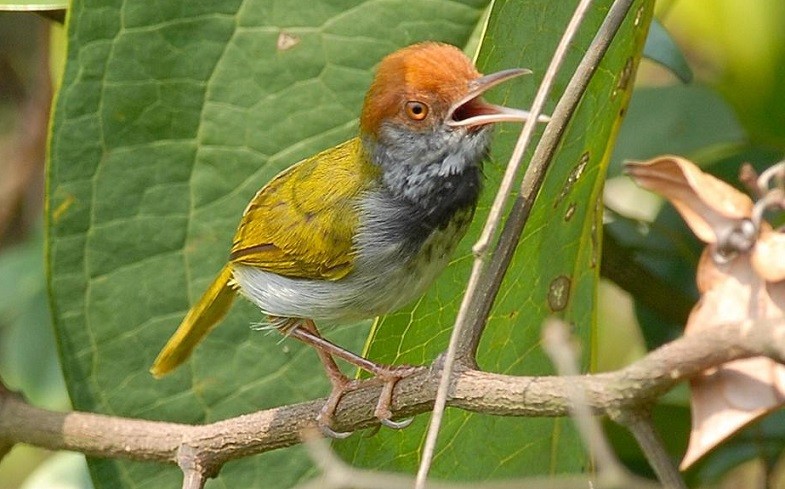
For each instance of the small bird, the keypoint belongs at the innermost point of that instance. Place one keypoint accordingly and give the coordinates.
(363, 228)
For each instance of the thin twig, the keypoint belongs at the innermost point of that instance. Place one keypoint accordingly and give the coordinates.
(194, 476)
(193, 479)
(640, 425)
(558, 343)
(749, 178)
(491, 225)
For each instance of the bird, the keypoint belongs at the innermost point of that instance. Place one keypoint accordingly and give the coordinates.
(363, 228)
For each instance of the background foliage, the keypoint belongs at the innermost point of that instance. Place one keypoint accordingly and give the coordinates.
(728, 116)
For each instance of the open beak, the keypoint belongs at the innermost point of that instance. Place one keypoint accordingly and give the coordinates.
(471, 110)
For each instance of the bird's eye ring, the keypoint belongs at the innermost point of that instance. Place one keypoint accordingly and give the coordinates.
(416, 110)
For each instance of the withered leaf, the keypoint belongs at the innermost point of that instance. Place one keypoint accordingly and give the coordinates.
(747, 286)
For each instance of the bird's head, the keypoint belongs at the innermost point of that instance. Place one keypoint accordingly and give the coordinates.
(425, 108)
(429, 87)
(425, 124)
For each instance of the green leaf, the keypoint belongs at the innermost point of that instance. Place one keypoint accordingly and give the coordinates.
(661, 48)
(560, 248)
(28, 359)
(168, 121)
(741, 53)
(676, 119)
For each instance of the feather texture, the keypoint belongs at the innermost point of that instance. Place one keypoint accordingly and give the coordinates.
(302, 224)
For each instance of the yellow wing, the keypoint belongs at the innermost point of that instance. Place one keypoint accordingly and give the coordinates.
(301, 224)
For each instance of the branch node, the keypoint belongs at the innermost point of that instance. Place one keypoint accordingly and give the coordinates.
(460, 365)
(479, 249)
(195, 470)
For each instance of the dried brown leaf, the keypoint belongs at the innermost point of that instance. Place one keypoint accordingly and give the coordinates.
(708, 205)
(744, 286)
(768, 258)
(728, 398)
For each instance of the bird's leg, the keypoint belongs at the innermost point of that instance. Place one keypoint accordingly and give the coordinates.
(297, 328)
(305, 331)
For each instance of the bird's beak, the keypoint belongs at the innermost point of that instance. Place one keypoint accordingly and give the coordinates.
(471, 110)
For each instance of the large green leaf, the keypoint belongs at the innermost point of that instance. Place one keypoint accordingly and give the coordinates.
(661, 48)
(27, 347)
(554, 271)
(170, 117)
(685, 120)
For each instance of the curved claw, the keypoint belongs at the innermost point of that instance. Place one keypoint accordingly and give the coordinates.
(325, 417)
(396, 425)
(331, 433)
(382, 411)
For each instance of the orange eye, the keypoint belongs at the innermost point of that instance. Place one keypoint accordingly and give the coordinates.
(415, 110)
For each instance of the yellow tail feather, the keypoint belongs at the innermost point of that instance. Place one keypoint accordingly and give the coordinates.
(211, 308)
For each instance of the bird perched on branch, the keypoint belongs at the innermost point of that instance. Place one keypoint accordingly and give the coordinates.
(362, 228)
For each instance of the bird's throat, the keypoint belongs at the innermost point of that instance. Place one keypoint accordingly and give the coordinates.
(435, 175)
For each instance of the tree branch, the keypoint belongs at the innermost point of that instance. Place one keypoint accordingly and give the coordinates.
(642, 428)
(211, 445)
